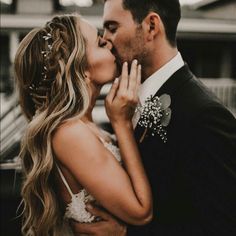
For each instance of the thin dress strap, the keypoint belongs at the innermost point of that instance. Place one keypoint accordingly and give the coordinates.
(64, 181)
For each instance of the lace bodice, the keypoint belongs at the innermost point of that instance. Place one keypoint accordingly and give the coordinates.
(76, 209)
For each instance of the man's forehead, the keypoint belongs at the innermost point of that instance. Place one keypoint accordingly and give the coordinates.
(114, 12)
(114, 4)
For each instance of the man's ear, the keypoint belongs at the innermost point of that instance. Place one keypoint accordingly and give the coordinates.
(152, 23)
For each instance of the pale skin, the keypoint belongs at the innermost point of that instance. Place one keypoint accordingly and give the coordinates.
(120, 31)
(124, 192)
(152, 50)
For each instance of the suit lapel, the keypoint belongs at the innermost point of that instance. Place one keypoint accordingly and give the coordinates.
(175, 82)
(171, 86)
(138, 131)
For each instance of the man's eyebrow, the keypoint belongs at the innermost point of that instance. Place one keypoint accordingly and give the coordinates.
(109, 22)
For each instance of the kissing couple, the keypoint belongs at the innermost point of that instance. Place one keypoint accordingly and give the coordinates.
(171, 168)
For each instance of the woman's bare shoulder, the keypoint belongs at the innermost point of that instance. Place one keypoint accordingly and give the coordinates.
(69, 129)
(72, 134)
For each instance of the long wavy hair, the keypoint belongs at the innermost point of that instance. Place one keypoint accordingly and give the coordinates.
(49, 70)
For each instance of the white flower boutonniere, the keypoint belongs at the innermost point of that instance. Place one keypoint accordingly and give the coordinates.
(155, 116)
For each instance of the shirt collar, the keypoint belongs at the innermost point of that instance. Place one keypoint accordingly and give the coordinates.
(153, 83)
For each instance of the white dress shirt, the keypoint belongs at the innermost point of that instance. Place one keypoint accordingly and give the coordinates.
(153, 83)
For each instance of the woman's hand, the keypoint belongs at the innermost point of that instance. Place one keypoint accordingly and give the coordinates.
(133, 204)
(122, 99)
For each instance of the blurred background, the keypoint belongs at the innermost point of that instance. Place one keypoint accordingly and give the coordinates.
(206, 39)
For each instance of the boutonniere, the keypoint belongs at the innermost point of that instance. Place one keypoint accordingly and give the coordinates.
(155, 116)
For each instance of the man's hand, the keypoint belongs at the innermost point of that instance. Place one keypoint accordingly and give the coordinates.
(109, 226)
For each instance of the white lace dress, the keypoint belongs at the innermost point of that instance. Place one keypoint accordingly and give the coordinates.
(76, 209)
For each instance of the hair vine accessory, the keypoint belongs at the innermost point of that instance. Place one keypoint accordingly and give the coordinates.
(38, 91)
(155, 116)
(46, 53)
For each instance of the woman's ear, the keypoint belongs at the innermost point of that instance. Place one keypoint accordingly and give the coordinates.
(152, 23)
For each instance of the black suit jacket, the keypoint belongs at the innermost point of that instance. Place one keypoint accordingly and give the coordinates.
(193, 175)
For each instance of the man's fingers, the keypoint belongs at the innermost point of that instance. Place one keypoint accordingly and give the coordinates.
(98, 212)
(81, 228)
(113, 90)
(106, 226)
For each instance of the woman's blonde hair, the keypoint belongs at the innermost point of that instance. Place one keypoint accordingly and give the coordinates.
(49, 70)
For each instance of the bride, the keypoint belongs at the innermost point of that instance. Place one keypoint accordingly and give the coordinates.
(67, 159)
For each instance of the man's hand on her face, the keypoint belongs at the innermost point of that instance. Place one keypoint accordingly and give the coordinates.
(109, 226)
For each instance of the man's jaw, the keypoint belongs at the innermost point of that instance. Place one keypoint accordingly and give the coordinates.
(118, 61)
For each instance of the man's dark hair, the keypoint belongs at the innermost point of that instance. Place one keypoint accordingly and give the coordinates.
(168, 10)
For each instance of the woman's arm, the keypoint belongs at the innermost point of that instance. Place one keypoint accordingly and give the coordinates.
(97, 170)
(120, 105)
(126, 194)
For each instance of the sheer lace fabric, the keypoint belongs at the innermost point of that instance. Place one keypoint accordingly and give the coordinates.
(76, 209)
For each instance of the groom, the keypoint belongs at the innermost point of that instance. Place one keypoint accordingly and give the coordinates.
(191, 160)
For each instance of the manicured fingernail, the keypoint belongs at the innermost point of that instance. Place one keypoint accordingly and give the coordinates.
(135, 61)
(126, 63)
(116, 80)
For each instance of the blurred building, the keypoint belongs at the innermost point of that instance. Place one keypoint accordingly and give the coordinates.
(206, 39)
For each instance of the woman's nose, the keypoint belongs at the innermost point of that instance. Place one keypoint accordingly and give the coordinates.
(109, 45)
(105, 43)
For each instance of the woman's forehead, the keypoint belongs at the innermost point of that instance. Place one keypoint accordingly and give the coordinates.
(87, 29)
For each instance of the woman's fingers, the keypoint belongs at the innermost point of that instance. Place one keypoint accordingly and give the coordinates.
(128, 85)
(133, 76)
(123, 95)
(124, 77)
(138, 82)
(112, 93)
